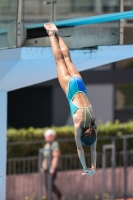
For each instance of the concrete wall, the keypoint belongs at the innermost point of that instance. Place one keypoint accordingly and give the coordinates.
(102, 98)
(72, 184)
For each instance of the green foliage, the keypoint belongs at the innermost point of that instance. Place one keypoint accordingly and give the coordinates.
(34, 134)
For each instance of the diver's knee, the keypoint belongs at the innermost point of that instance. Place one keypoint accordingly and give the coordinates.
(58, 56)
(64, 50)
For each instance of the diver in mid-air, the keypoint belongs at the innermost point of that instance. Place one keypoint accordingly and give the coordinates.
(85, 129)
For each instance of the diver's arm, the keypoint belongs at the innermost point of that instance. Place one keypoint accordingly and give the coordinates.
(79, 147)
(93, 156)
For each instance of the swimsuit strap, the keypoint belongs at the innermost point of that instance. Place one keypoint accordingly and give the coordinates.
(84, 117)
(89, 113)
(85, 110)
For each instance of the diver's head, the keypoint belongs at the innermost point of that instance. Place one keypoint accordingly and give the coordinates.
(88, 136)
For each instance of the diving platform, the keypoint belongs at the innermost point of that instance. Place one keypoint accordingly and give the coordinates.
(25, 66)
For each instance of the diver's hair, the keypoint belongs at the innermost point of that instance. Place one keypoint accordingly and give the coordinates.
(88, 136)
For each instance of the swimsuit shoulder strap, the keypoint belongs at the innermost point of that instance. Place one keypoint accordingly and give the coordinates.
(85, 110)
(89, 112)
(84, 118)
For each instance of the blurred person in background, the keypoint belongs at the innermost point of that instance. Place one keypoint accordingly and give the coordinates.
(51, 154)
(85, 129)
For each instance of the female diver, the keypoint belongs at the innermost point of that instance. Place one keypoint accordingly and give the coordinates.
(85, 129)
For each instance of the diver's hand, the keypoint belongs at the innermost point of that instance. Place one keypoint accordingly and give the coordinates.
(89, 171)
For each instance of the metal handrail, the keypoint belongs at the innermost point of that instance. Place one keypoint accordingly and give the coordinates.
(69, 140)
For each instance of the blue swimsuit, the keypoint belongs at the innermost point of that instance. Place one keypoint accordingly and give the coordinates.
(76, 85)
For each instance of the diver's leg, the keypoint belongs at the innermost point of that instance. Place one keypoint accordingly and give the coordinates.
(62, 71)
(65, 51)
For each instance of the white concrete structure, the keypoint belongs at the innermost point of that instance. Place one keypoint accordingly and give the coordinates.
(21, 67)
(30, 65)
(3, 127)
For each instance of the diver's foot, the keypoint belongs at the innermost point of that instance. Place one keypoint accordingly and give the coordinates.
(51, 28)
